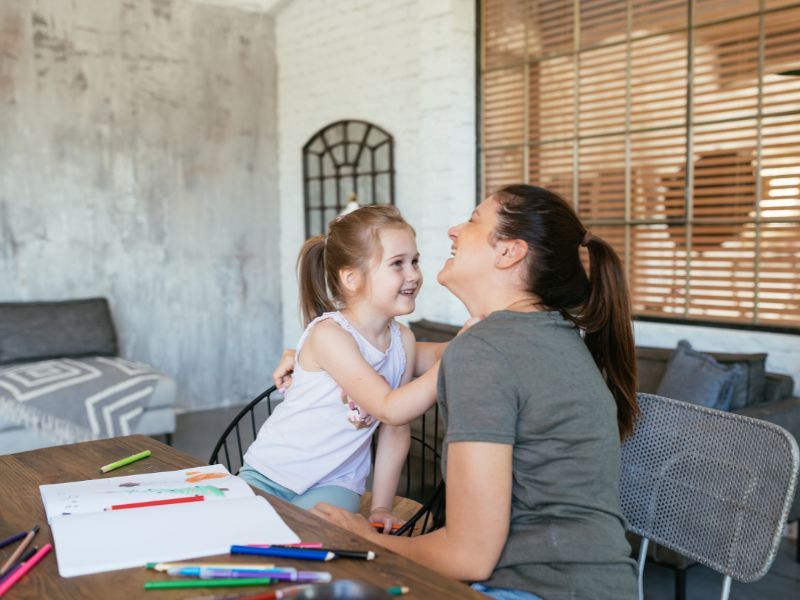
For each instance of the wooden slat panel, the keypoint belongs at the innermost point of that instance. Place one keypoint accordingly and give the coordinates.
(658, 81)
(601, 169)
(714, 10)
(502, 167)
(780, 168)
(602, 74)
(503, 31)
(781, 53)
(551, 24)
(504, 107)
(658, 269)
(551, 108)
(602, 21)
(719, 275)
(779, 295)
(658, 174)
(651, 16)
(551, 167)
(724, 170)
(725, 70)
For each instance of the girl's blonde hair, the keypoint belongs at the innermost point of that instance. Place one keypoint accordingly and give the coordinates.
(352, 242)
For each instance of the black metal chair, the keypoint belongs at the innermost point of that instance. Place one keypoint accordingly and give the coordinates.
(421, 480)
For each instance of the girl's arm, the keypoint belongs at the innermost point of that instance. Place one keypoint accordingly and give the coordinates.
(427, 355)
(330, 348)
(393, 444)
(478, 515)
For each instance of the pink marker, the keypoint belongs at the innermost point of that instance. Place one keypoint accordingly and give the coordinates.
(24, 568)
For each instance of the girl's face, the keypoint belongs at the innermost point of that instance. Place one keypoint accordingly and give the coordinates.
(472, 250)
(393, 282)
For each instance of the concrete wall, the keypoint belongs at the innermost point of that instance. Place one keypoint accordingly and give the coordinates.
(407, 66)
(138, 162)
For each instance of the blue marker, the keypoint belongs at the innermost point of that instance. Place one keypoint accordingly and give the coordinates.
(301, 553)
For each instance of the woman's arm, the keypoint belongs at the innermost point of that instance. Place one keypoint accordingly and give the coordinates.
(478, 515)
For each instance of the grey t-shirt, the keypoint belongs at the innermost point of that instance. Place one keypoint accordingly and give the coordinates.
(528, 380)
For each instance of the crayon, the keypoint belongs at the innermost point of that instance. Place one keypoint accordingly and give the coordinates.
(124, 461)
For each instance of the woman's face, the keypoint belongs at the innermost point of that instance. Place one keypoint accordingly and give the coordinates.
(473, 252)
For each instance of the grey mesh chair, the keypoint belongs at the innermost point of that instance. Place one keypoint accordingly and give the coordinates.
(713, 486)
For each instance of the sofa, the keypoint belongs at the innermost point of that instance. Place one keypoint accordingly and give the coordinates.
(768, 396)
(62, 381)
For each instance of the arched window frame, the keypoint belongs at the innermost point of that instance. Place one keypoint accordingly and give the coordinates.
(332, 155)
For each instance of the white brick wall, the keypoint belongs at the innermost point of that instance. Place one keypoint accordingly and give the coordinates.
(407, 66)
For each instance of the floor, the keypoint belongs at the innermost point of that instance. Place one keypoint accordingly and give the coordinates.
(197, 433)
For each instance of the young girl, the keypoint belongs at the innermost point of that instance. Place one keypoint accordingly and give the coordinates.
(316, 445)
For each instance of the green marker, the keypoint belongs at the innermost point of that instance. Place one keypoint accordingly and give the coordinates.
(199, 583)
(398, 590)
(125, 461)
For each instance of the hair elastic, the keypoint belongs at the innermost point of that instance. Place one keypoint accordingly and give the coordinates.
(586, 237)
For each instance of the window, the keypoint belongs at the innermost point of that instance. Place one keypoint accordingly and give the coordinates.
(673, 127)
(347, 159)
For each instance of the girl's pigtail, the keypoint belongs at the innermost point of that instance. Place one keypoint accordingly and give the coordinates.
(314, 298)
(606, 319)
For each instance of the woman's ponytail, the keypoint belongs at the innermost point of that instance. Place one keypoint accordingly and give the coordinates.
(314, 298)
(606, 320)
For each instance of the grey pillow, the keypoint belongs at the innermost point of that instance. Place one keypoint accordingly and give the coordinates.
(39, 330)
(698, 378)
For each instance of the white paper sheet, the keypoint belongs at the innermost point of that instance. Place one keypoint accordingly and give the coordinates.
(120, 539)
(213, 482)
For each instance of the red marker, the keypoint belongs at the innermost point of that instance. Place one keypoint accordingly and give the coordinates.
(157, 502)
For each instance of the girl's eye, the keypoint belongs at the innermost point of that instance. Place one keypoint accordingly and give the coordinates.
(415, 262)
(397, 263)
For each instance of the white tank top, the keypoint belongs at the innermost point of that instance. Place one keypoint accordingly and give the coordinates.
(317, 435)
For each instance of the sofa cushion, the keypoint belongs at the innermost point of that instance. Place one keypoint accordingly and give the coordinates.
(698, 378)
(38, 330)
(750, 388)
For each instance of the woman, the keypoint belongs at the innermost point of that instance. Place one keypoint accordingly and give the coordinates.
(534, 411)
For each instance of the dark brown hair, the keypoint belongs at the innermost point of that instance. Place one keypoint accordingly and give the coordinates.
(598, 304)
(352, 242)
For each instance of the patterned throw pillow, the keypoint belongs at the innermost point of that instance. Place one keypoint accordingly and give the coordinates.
(698, 378)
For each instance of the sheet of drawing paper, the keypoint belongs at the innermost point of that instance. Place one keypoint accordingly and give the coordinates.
(214, 482)
(120, 539)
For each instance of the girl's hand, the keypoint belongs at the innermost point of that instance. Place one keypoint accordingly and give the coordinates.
(346, 520)
(282, 375)
(385, 516)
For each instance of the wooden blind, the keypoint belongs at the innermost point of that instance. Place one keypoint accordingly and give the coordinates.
(673, 126)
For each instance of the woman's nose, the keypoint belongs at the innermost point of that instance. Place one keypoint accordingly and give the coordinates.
(452, 233)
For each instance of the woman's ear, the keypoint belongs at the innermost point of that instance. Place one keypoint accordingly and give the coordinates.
(511, 252)
(351, 280)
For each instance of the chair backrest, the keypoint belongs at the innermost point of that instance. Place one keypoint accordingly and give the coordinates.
(243, 429)
(421, 479)
(713, 486)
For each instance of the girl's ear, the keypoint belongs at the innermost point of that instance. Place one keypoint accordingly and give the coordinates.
(510, 252)
(351, 280)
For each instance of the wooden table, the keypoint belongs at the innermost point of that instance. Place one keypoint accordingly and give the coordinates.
(21, 508)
